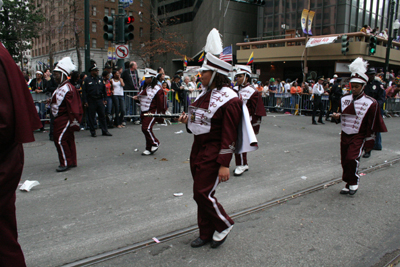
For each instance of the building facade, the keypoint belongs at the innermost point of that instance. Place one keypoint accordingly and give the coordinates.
(331, 16)
(194, 19)
(62, 33)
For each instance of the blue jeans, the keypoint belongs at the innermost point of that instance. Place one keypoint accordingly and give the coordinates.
(109, 105)
(378, 142)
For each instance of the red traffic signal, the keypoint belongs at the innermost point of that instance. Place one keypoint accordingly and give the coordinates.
(129, 19)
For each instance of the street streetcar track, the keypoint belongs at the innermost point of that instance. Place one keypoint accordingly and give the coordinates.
(182, 232)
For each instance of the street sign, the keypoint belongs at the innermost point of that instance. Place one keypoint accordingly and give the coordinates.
(125, 5)
(122, 51)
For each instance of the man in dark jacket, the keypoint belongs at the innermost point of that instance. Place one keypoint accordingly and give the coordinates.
(131, 79)
(178, 95)
(374, 89)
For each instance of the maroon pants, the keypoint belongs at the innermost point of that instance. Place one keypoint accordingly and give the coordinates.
(211, 216)
(64, 140)
(351, 147)
(241, 159)
(11, 165)
(147, 129)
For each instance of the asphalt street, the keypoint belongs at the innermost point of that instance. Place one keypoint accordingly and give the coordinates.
(116, 197)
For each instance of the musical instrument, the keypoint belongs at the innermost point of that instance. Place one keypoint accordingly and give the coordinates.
(166, 116)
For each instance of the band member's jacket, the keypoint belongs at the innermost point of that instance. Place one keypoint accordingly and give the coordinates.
(361, 118)
(253, 100)
(152, 100)
(66, 103)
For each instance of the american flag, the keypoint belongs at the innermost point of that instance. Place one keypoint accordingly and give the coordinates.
(226, 54)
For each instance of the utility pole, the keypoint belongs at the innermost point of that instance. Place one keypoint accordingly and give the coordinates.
(389, 43)
(120, 30)
(87, 37)
(305, 53)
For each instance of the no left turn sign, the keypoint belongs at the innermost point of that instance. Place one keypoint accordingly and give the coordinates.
(121, 51)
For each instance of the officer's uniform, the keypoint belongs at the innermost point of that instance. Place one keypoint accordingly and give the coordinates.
(375, 90)
(94, 93)
(318, 90)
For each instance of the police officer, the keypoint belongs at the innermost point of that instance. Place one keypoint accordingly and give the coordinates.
(317, 92)
(335, 95)
(94, 94)
(374, 89)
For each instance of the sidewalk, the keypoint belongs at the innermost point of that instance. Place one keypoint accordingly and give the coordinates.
(323, 228)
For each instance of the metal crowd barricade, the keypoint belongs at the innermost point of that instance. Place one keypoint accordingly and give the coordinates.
(40, 100)
(289, 102)
(392, 105)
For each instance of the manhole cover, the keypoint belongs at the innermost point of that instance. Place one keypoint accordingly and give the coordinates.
(34, 144)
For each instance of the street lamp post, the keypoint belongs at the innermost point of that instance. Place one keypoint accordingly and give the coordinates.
(389, 43)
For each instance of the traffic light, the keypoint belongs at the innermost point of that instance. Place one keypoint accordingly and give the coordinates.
(345, 44)
(128, 28)
(108, 28)
(372, 45)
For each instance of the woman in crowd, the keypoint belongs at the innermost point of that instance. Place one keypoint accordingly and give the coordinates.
(38, 86)
(118, 99)
(109, 98)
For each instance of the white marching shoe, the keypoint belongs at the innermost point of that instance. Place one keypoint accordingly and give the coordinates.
(240, 170)
(146, 153)
(154, 149)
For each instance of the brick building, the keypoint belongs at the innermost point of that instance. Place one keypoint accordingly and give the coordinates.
(63, 31)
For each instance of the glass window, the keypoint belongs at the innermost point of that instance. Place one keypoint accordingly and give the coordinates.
(368, 6)
(329, 2)
(94, 27)
(94, 43)
(141, 3)
(329, 15)
(94, 10)
(106, 11)
(106, 44)
(112, 11)
(141, 17)
(141, 32)
(113, 1)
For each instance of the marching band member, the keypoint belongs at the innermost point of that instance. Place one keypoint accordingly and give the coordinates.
(66, 108)
(360, 121)
(214, 119)
(151, 100)
(253, 101)
(18, 120)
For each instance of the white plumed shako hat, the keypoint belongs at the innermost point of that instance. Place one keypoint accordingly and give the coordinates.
(358, 68)
(65, 66)
(213, 63)
(243, 69)
(150, 73)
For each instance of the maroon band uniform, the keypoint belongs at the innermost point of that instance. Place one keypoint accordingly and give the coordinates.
(18, 120)
(214, 119)
(361, 119)
(152, 100)
(66, 108)
(253, 100)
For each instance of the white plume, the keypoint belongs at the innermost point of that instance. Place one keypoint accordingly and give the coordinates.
(358, 66)
(214, 43)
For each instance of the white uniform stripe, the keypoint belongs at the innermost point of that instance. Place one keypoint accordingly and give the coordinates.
(241, 159)
(215, 204)
(358, 162)
(148, 130)
(59, 143)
